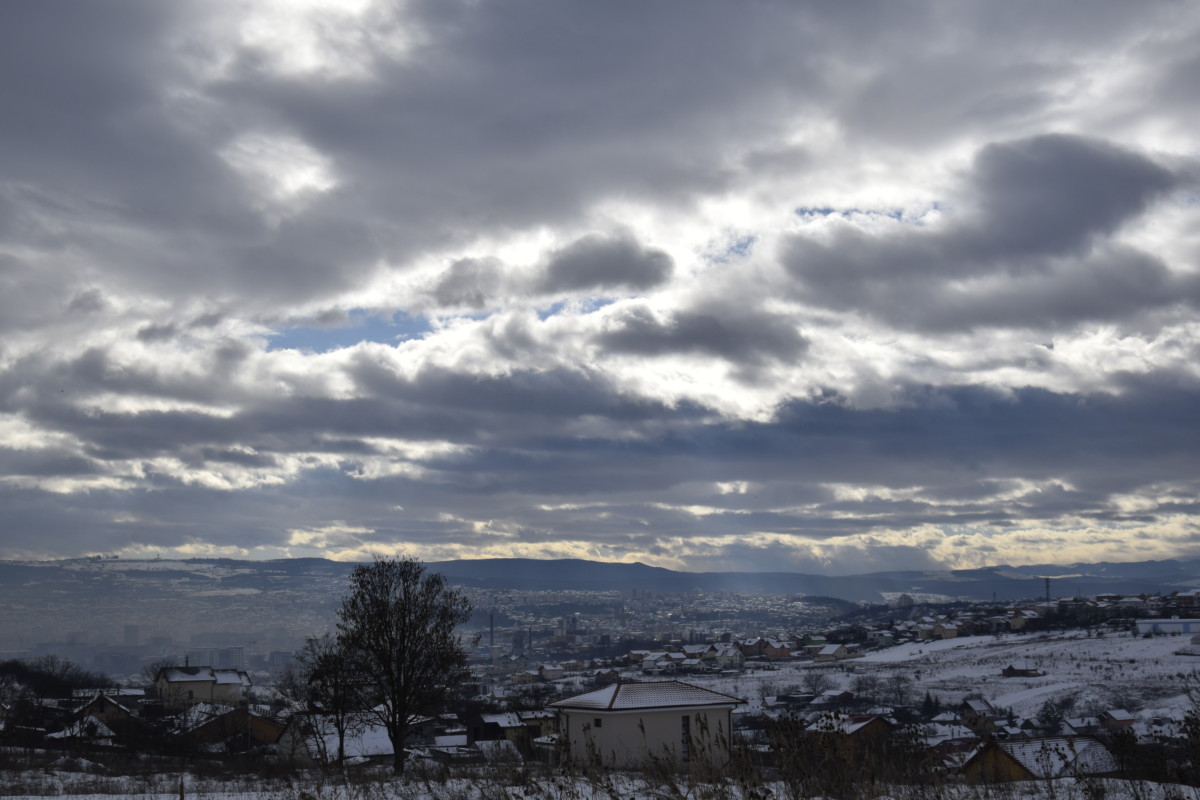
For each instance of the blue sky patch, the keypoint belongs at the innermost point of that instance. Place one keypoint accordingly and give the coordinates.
(360, 326)
(812, 212)
(586, 305)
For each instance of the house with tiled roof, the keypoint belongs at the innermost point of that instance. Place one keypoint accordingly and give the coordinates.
(700, 651)
(116, 717)
(776, 649)
(634, 724)
(235, 730)
(848, 736)
(977, 713)
(832, 652)
(1030, 759)
(728, 657)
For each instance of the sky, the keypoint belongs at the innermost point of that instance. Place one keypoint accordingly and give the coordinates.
(816, 287)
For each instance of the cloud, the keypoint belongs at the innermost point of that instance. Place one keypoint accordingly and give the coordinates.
(1050, 194)
(1033, 246)
(596, 263)
(736, 334)
(469, 282)
(828, 287)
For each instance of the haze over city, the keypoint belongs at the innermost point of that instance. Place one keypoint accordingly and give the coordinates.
(834, 288)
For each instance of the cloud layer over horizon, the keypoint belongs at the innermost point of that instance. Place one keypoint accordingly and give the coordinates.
(792, 287)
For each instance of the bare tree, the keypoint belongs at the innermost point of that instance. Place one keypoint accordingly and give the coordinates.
(400, 621)
(816, 681)
(866, 686)
(150, 671)
(898, 685)
(326, 682)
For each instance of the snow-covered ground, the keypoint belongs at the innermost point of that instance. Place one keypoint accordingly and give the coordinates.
(1149, 677)
(1146, 676)
(614, 786)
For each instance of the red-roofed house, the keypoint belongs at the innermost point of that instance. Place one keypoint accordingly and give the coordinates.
(632, 724)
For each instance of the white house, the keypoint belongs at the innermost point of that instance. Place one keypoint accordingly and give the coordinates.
(183, 686)
(632, 724)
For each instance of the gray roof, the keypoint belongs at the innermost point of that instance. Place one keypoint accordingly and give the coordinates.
(1055, 756)
(207, 674)
(654, 694)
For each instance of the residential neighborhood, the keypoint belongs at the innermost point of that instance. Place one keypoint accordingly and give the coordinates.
(982, 691)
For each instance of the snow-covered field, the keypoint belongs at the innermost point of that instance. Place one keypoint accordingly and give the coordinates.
(1146, 676)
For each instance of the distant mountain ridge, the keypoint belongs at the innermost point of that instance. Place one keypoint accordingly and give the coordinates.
(1004, 582)
(213, 576)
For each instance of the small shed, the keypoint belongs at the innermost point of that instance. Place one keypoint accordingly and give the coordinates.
(1020, 669)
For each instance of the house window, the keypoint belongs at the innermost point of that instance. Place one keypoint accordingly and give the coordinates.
(686, 730)
(598, 723)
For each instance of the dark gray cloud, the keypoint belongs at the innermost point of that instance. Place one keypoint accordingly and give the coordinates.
(959, 445)
(470, 282)
(1031, 247)
(596, 263)
(592, 264)
(739, 335)
(1049, 195)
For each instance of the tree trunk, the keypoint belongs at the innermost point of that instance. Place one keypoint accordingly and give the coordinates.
(398, 759)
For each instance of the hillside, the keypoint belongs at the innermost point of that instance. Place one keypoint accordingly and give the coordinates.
(284, 599)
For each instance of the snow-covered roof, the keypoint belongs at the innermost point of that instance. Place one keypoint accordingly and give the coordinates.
(86, 728)
(1059, 755)
(979, 706)
(110, 692)
(371, 740)
(843, 724)
(536, 714)
(936, 733)
(654, 694)
(104, 698)
(506, 719)
(206, 674)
